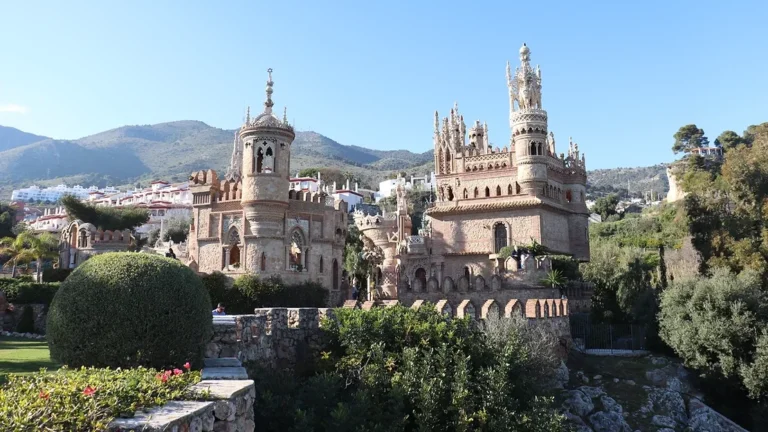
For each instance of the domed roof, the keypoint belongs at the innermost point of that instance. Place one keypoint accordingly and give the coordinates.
(266, 119)
(524, 49)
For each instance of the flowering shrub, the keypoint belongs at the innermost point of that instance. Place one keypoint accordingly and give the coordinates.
(87, 399)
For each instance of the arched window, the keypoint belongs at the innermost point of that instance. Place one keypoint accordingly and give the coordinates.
(450, 194)
(540, 152)
(440, 161)
(499, 237)
(568, 195)
(487, 192)
(335, 274)
(83, 239)
(467, 273)
(477, 193)
(263, 265)
(532, 149)
(509, 190)
(297, 248)
(321, 263)
(447, 162)
(498, 190)
(259, 160)
(517, 187)
(269, 159)
(421, 275)
(466, 194)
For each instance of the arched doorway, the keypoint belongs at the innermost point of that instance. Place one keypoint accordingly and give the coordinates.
(297, 247)
(233, 251)
(335, 273)
(421, 275)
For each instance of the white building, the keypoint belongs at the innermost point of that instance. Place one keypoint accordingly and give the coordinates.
(387, 187)
(52, 194)
(313, 185)
(52, 221)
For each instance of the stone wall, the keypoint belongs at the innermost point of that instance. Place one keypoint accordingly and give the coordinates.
(284, 337)
(228, 407)
(9, 321)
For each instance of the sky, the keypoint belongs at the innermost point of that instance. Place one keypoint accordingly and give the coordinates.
(620, 77)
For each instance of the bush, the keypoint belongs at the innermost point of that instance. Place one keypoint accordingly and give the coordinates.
(398, 369)
(55, 274)
(27, 322)
(126, 310)
(272, 292)
(218, 286)
(86, 399)
(29, 292)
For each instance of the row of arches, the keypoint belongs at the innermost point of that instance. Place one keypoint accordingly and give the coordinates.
(490, 166)
(230, 190)
(487, 192)
(317, 197)
(531, 308)
(536, 148)
(443, 161)
(523, 130)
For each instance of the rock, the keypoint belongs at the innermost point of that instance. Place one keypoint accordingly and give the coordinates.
(597, 377)
(658, 360)
(665, 430)
(580, 375)
(705, 419)
(615, 380)
(667, 403)
(609, 422)
(578, 403)
(629, 382)
(561, 375)
(610, 404)
(592, 392)
(663, 421)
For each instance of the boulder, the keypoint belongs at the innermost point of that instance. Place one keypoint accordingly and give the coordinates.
(577, 403)
(666, 403)
(592, 392)
(610, 404)
(663, 421)
(603, 421)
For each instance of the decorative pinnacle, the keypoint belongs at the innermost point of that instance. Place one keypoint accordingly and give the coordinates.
(248, 114)
(268, 103)
(285, 115)
(437, 121)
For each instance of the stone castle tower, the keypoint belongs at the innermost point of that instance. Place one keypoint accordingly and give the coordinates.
(266, 168)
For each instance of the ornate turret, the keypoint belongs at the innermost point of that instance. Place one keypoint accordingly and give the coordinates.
(266, 144)
(528, 122)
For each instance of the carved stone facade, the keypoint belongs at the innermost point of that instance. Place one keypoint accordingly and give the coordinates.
(79, 241)
(251, 221)
(488, 201)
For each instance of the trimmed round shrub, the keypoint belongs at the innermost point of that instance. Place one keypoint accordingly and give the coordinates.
(127, 309)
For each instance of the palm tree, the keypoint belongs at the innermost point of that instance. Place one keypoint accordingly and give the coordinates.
(17, 249)
(41, 247)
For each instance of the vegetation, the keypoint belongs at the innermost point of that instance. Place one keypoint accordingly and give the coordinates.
(163, 300)
(606, 206)
(689, 137)
(81, 400)
(105, 218)
(7, 220)
(397, 369)
(23, 356)
(55, 274)
(176, 229)
(25, 291)
(249, 292)
(663, 225)
(418, 200)
(359, 262)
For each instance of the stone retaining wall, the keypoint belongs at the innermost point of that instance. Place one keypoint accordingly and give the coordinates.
(9, 321)
(284, 337)
(229, 408)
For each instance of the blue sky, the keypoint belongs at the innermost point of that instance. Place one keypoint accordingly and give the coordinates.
(620, 77)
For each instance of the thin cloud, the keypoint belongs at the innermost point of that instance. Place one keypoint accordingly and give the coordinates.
(13, 108)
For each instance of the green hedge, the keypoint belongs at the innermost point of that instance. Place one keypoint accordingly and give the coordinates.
(249, 292)
(20, 291)
(87, 399)
(55, 274)
(124, 309)
(27, 322)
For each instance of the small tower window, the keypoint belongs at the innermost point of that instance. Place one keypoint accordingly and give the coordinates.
(466, 194)
(477, 193)
(568, 195)
(487, 192)
(263, 265)
(498, 190)
(450, 194)
(321, 263)
(499, 237)
(259, 160)
(509, 190)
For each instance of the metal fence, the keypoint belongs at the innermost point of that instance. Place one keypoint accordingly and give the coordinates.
(608, 338)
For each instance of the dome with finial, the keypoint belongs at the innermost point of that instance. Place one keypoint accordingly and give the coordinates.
(267, 119)
(524, 50)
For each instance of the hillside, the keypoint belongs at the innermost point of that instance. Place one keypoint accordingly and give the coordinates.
(137, 154)
(639, 180)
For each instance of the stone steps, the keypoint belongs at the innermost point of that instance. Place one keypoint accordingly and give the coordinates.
(221, 362)
(225, 368)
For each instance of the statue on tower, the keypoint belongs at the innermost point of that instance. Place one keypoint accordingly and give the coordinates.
(551, 143)
(402, 202)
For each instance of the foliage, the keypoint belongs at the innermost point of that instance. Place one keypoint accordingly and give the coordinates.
(153, 236)
(28, 292)
(398, 369)
(26, 321)
(105, 218)
(18, 251)
(87, 399)
(689, 137)
(418, 201)
(19, 228)
(272, 292)
(567, 266)
(127, 310)
(728, 140)
(719, 325)
(55, 274)
(7, 219)
(505, 252)
(554, 279)
(664, 225)
(606, 206)
(357, 263)
(176, 229)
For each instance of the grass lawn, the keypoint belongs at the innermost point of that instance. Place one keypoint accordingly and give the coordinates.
(19, 356)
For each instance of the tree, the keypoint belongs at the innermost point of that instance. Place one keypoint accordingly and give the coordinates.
(554, 279)
(606, 206)
(177, 229)
(18, 251)
(105, 218)
(19, 228)
(41, 247)
(728, 140)
(7, 219)
(754, 132)
(689, 137)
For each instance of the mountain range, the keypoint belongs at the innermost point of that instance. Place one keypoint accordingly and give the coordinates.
(171, 151)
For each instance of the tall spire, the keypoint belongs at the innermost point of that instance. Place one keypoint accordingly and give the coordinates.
(285, 115)
(268, 103)
(437, 122)
(248, 115)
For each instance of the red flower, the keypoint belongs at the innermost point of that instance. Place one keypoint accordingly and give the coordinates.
(89, 391)
(187, 366)
(44, 395)
(178, 371)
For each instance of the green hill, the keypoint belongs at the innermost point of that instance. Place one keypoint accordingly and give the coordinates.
(140, 153)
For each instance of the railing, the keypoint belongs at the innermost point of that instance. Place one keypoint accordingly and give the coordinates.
(607, 339)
